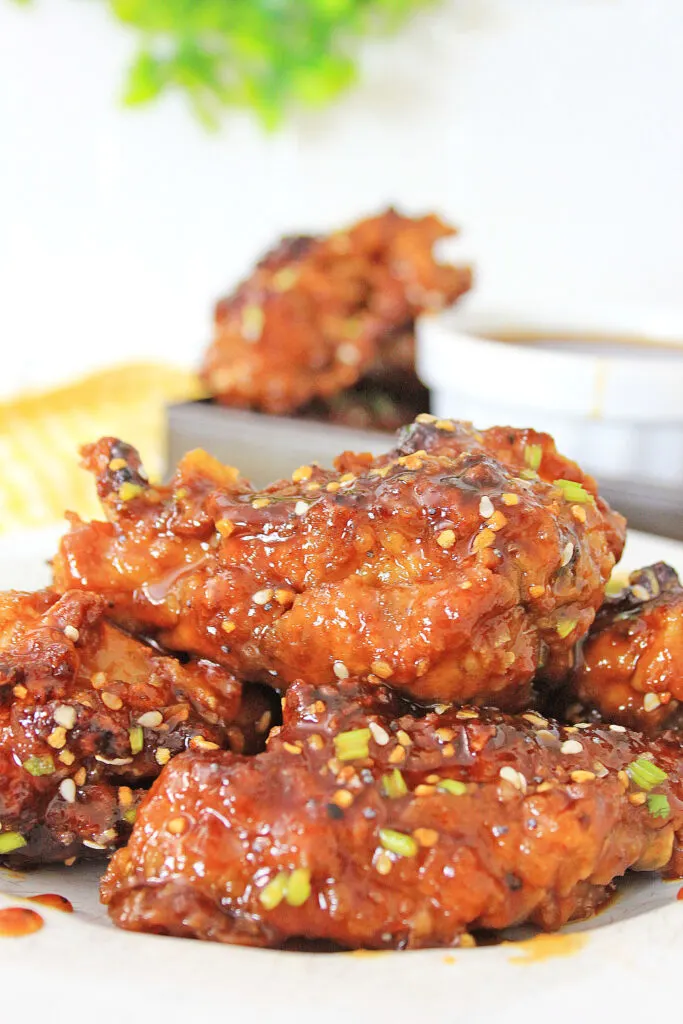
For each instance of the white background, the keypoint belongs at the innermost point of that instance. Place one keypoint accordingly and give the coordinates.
(550, 130)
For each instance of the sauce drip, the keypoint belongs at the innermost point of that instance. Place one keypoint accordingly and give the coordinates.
(53, 900)
(16, 922)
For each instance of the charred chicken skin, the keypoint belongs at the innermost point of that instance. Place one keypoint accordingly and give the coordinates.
(629, 669)
(454, 566)
(317, 314)
(367, 825)
(88, 716)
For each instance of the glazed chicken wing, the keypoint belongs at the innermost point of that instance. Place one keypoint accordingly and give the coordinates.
(317, 314)
(368, 826)
(88, 715)
(629, 669)
(454, 566)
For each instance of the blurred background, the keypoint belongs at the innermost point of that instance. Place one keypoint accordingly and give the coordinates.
(547, 130)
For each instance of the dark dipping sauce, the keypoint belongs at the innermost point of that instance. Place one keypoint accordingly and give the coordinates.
(595, 344)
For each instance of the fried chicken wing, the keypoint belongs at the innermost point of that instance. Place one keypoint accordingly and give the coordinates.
(368, 826)
(317, 314)
(454, 566)
(629, 669)
(89, 715)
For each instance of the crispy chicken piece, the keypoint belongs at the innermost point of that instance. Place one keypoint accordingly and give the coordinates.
(317, 314)
(629, 669)
(453, 566)
(367, 826)
(88, 716)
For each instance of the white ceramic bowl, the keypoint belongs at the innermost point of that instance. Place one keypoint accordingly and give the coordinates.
(616, 409)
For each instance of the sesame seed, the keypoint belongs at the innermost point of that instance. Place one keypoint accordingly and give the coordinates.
(510, 499)
(19, 691)
(567, 554)
(227, 626)
(617, 728)
(485, 507)
(623, 778)
(302, 473)
(445, 425)
(579, 513)
(347, 478)
(651, 701)
(444, 734)
(285, 598)
(379, 735)
(225, 527)
(67, 790)
(582, 776)
(466, 714)
(433, 779)
(162, 756)
(571, 747)
(332, 486)
(546, 736)
(348, 354)
(466, 585)
(397, 755)
(291, 748)
(467, 941)
(301, 508)
(92, 845)
(57, 738)
(177, 826)
(425, 417)
(637, 799)
(536, 720)
(383, 864)
(640, 593)
(403, 738)
(112, 701)
(424, 790)
(65, 716)
(426, 837)
(66, 757)
(115, 761)
(515, 778)
(446, 539)
(98, 680)
(340, 670)
(316, 742)
(262, 596)
(448, 750)
(125, 795)
(197, 743)
(71, 633)
(115, 464)
(150, 719)
(260, 502)
(600, 769)
(544, 787)
(382, 669)
(537, 590)
(342, 798)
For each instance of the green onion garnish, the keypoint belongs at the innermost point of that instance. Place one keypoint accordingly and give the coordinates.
(453, 786)
(397, 842)
(298, 887)
(567, 626)
(573, 492)
(533, 453)
(36, 765)
(645, 774)
(352, 745)
(394, 784)
(11, 841)
(274, 893)
(137, 739)
(658, 805)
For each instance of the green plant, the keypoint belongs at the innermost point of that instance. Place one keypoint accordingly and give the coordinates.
(263, 55)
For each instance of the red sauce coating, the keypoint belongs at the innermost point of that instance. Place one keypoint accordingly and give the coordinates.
(16, 922)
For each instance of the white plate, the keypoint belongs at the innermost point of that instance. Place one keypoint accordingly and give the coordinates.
(82, 970)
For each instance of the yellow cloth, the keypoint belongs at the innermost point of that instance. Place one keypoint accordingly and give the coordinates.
(40, 435)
